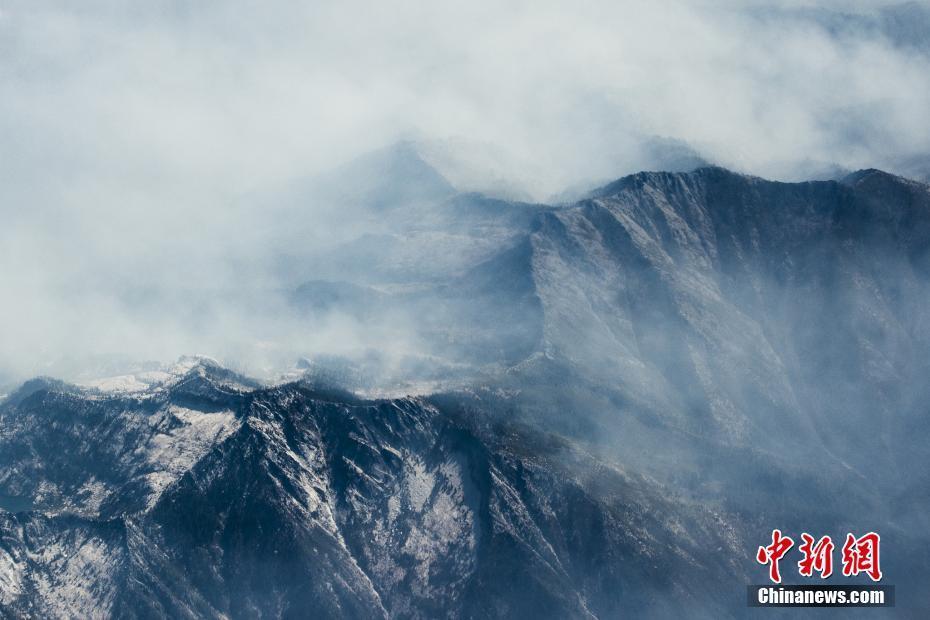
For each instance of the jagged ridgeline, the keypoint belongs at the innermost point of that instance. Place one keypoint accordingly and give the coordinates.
(204, 496)
(619, 398)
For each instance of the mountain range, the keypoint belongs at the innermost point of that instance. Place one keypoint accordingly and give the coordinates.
(603, 408)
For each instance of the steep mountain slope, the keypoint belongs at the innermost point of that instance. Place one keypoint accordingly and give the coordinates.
(747, 311)
(292, 501)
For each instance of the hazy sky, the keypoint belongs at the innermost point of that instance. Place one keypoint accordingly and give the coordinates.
(228, 95)
(128, 128)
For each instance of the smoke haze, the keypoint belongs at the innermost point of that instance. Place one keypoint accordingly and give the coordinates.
(143, 146)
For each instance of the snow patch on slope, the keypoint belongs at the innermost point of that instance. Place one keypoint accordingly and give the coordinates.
(189, 434)
(11, 586)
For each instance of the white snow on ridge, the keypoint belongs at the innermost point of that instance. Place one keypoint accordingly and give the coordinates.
(122, 383)
(142, 381)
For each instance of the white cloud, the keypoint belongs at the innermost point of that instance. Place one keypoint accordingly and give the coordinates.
(128, 128)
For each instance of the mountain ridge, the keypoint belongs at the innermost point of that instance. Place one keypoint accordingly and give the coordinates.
(315, 476)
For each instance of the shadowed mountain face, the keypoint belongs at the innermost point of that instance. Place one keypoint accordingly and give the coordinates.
(204, 497)
(637, 388)
(747, 311)
(758, 343)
